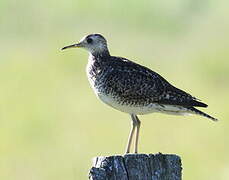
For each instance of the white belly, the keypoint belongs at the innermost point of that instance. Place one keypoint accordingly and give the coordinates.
(140, 110)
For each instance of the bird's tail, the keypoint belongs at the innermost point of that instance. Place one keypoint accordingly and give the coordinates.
(196, 111)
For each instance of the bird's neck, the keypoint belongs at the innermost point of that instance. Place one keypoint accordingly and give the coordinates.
(100, 55)
(97, 60)
(96, 63)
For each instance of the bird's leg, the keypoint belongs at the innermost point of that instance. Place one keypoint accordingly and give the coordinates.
(133, 126)
(138, 124)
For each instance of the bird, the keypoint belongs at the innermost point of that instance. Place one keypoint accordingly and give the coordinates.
(132, 88)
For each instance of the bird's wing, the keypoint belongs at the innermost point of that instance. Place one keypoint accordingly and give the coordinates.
(175, 96)
(135, 82)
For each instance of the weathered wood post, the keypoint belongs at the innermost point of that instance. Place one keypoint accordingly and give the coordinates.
(137, 167)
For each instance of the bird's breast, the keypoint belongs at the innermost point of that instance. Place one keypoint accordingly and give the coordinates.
(95, 75)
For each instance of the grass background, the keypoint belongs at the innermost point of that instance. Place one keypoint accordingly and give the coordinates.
(51, 124)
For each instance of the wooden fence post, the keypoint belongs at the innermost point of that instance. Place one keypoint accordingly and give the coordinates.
(137, 167)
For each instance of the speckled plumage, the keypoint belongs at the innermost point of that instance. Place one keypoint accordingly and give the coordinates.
(133, 88)
(133, 85)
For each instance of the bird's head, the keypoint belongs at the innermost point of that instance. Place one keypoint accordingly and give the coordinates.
(94, 43)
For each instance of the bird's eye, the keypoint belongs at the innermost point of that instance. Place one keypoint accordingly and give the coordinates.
(89, 40)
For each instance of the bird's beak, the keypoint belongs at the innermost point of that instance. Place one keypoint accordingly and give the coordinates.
(72, 46)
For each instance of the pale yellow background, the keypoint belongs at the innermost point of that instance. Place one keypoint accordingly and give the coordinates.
(51, 124)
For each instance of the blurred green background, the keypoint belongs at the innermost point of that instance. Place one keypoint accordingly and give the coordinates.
(51, 124)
